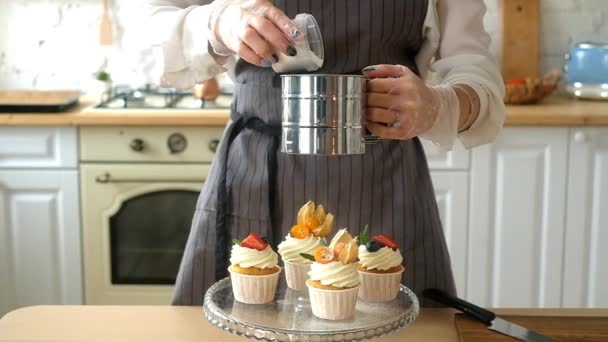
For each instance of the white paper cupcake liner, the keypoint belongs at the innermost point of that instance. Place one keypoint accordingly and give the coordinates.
(333, 305)
(296, 275)
(252, 289)
(379, 287)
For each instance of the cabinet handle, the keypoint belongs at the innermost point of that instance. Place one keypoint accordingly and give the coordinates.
(580, 137)
(107, 178)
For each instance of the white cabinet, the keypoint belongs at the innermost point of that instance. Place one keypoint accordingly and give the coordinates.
(40, 258)
(39, 239)
(452, 193)
(38, 147)
(585, 271)
(517, 219)
(450, 175)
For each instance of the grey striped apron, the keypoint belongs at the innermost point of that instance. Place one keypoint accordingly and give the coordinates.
(388, 188)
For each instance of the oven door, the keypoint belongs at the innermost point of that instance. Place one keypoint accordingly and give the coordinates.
(136, 220)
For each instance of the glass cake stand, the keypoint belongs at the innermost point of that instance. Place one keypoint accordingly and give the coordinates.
(289, 317)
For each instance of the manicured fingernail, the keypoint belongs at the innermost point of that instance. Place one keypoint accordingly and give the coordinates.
(369, 68)
(291, 51)
(265, 63)
(275, 58)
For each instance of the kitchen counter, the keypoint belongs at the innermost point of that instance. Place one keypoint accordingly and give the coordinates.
(554, 111)
(164, 323)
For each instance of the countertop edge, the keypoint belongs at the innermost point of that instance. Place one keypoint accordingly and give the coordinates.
(557, 111)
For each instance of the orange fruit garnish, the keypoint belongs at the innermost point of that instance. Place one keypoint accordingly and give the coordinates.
(312, 222)
(324, 255)
(300, 231)
(338, 248)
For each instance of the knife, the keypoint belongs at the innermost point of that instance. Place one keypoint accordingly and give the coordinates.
(486, 317)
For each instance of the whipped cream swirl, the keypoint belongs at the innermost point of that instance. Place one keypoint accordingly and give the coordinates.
(291, 248)
(335, 274)
(382, 259)
(248, 257)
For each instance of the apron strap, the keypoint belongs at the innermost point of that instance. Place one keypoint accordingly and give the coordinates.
(222, 232)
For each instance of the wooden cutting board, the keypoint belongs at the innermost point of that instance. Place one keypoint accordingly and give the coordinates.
(566, 329)
(30, 101)
(520, 39)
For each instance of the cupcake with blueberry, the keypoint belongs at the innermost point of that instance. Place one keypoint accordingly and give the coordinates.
(313, 225)
(254, 270)
(334, 282)
(380, 267)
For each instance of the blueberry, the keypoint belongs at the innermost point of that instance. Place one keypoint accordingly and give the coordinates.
(372, 246)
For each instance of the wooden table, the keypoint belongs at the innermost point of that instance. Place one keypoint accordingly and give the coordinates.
(165, 323)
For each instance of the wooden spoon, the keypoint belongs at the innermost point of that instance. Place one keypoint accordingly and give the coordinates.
(105, 34)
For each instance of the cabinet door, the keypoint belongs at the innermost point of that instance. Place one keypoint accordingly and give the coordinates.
(452, 193)
(585, 270)
(40, 259)
(518, 188)
(38, 147)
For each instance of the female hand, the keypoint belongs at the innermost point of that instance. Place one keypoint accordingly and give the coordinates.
(399, 104)
(253, 29)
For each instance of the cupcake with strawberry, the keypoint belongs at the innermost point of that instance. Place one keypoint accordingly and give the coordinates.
(308, 234)
(334, 282)
(380, 267)
(254, 270)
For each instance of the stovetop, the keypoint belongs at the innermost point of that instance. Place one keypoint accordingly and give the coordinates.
(151, 97)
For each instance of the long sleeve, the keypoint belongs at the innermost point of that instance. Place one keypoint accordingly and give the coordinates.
(179, 31)
(456, 36)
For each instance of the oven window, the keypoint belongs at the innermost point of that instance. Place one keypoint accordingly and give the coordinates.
(148, 235)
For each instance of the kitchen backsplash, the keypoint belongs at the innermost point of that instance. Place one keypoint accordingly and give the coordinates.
(54, 43)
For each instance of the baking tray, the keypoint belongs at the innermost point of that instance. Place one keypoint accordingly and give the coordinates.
(37, 101)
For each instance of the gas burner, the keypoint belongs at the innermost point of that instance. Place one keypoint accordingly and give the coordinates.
(153, 97)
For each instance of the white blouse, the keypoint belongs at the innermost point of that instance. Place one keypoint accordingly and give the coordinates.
(455, 51)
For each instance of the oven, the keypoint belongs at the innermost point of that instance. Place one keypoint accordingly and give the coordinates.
(139, 189)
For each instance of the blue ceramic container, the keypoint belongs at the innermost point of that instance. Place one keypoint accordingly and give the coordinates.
(587, 63)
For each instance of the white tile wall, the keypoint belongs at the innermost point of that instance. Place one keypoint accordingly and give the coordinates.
(563, 22)
(53, 43)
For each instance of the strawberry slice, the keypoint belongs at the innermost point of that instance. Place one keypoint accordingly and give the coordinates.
(254, 241)
(386, 241)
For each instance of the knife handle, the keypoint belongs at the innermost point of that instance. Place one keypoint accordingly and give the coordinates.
(470, 309)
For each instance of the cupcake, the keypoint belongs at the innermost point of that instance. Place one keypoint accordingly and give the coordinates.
(253, 270)
(379, 268)
(334, 282)
(307, 235)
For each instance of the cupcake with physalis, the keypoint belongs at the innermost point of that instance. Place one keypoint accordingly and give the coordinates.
(334, 282)
(254, 270)
(313, 225)
(380, 267)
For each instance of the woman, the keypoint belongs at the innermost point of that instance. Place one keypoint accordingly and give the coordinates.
(393, 43)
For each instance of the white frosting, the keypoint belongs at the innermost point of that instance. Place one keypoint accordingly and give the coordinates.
(291, 248)
(248, 257)
(383, 259)
(335, 274)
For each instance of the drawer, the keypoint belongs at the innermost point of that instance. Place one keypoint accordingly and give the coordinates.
(38, 147)
(149, 144)
(457, 159)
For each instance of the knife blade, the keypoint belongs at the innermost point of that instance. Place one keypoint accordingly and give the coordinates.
(487, 317)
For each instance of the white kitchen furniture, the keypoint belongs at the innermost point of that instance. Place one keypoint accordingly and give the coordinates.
(585, 275)
(518, 192)
(450, 175)
(526, 218)
(40, 258)
(539, 219)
